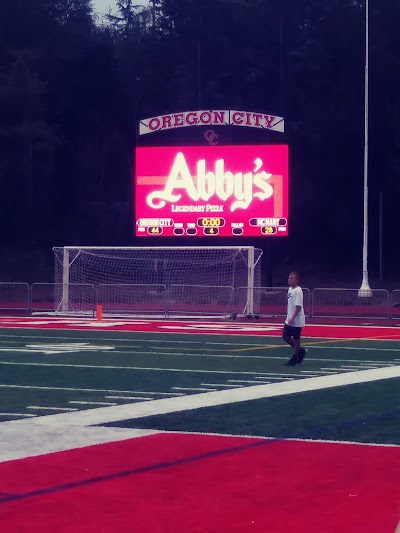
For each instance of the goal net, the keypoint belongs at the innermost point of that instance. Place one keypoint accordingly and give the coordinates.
(166, 281)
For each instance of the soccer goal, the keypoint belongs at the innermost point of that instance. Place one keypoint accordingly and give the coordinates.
(162, 281)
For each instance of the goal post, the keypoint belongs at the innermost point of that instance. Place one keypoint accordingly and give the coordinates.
(192, 279)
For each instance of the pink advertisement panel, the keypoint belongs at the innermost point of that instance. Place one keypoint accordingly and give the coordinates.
(210, 191)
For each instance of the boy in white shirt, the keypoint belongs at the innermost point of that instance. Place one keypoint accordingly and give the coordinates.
(295, 320)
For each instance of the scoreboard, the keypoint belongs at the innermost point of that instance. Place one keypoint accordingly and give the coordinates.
(211, 191)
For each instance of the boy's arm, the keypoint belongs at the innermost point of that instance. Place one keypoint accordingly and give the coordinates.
(296, 312)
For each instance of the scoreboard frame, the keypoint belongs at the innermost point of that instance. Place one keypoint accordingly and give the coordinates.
(211, 191)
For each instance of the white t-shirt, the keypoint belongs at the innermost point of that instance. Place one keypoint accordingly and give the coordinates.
(295, 297)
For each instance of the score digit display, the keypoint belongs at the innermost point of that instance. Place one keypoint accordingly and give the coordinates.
(205, 191)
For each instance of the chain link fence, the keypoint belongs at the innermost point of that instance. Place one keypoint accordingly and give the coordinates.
(321, 305)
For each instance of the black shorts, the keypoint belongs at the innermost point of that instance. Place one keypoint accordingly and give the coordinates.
(291, 331)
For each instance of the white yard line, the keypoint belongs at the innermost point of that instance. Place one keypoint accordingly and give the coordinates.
(190, 388)
(45, 408)
(350, 367)
(326, 372)
(129, 397)
(276, 376)
(130, 368)
(220, 384)
(74, 389)
(18, 414)
(214, 398)
(248, 381)
(91, 403)
(332, 369)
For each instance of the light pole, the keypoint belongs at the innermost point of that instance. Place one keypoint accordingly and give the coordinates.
(365, 289)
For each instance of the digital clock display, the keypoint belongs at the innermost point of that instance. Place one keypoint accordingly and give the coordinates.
(211, 222)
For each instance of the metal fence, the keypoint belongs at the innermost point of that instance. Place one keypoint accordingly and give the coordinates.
(322, 305)
(73, 298)
(343, 306)
(15, 298)
(394, 307)
(269, 302)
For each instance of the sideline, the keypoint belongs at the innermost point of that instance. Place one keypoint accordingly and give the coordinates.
(51, 433)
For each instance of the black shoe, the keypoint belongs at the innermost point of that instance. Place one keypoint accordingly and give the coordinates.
(301, 355)
(292, 361)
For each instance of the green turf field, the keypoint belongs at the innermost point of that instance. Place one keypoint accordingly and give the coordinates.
(44, 372)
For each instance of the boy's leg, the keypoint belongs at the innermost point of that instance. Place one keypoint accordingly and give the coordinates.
(287, 335)
(288, 338)
(292, 337)
(296, 346)
(301, 352)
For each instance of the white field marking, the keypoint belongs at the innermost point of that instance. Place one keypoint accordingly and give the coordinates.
(51, 349)
(103, 324)
(357, 366)
(133, 368)
(78, 347)
(158, 393)
(11, 386)
(223, 385)
(261, 347)
(17, 414)
(43, 407)
(310, 342)
(247, 381)
(230, 356)
(339, 339)
(62, 345)
(272, 377)
(103, 415)
(67, 347)
(360, 348)
(186, 355)
(201, 354)
(290, 439)
(78, 323)
(249, 345)
(220, 328)
(386, 362)
(333, 371)
(129, 397)
(129, 340)
(91, 403)
(278, 374)
(191, 388)
(375, 364)
(246, 348)
(21, 440)
(137, 353)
